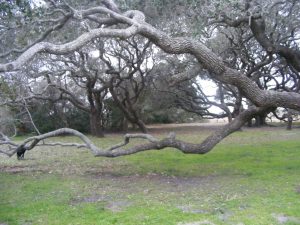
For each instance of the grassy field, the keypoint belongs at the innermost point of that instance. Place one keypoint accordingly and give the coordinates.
(252, 177)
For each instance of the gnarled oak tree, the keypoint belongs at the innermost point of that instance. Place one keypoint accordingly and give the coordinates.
(108, 21)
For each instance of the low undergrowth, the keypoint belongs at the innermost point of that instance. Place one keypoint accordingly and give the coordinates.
(252, 177)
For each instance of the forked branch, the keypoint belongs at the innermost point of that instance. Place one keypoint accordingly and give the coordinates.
(173, 45)
(152, 143)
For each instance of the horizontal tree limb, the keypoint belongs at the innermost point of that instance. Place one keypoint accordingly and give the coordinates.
(152, 144)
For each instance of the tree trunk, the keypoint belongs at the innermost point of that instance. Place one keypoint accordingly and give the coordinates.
(229, 118)
(125, 124)
(96, 126)
(249, 123)
(129, 113)
(290, 122)
(260, 120)
(142, 126)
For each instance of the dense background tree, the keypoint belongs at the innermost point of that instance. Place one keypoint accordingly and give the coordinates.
(130, 74)
(90, 76)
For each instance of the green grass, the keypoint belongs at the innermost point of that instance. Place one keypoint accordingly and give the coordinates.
(252, 177)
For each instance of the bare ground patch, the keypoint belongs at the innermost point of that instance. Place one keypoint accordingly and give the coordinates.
(117, 193)
(283, 219)
(185, 128)
(172, 183)
(298, 189)
(19, 169)
(206, 222)
(206, 127)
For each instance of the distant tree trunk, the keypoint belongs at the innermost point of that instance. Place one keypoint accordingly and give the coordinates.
(260, 120)
(125, 124)
(249, 123)
(290, 121)
(133, 126)
(61, 115)
(229, 117)
(128, 111)
(96, 126)
(142, 126)
(21, 129)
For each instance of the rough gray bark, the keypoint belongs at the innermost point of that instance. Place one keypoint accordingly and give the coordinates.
(153, 143)
(289, 121)
(177, 45)
(254, 16)
(96, 126)
(292, 56)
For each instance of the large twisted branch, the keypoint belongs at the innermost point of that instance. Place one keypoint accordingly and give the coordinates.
(152, 144)
(205, 56)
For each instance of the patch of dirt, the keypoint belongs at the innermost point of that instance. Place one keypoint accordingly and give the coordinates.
(118, 206)
(110, 204)
(172, 183)
(205, 222)
(184, 128)
(179, 128)
(298, 190)
(191, 209)
(181, 184)
(90, 199)
(224, 215)
(19, 169)
(282, 219)
(115, 191)
(205, 127)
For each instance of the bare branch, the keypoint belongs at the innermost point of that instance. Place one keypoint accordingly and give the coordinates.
(42, 37)
(80, 41)
(30, 117)
(110, 4)
(205, 56)
(153, 143)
